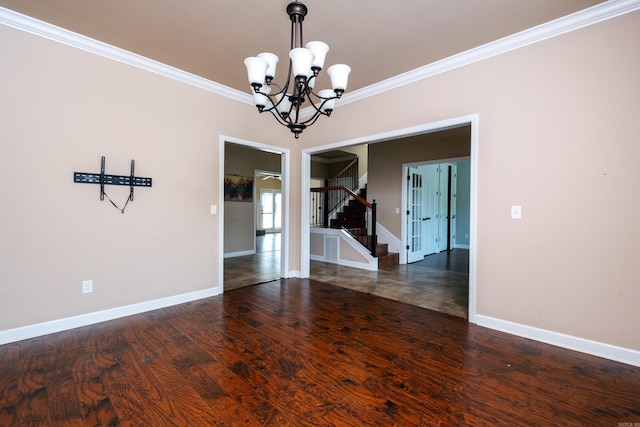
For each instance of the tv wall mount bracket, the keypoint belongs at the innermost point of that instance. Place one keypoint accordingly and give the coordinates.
(106, 179)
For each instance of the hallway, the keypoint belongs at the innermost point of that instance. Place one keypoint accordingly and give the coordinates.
(440, 282)
(262, 267)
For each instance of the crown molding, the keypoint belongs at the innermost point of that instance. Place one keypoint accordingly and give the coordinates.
(52, 32)
(598, 13)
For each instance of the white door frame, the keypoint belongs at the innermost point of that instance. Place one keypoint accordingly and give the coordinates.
(396, 134)
(285, 170)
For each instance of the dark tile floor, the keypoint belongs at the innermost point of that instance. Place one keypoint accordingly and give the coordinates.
(440, 282)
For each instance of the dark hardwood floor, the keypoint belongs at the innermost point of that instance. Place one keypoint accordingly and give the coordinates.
(304, 353)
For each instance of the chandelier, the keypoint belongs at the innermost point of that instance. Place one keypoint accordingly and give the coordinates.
(305, 64)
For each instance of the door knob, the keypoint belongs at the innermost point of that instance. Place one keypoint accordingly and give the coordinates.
(426, 219)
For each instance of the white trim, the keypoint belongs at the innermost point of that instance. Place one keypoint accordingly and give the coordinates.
(362, 182)
(221, 147)
(343, 262)
(53, 326)
(285, 188)
(385, 236)
(69, 38)
(240, 253)
(305, 227)
(598, 13)
(294, 273)
(608, 351)
(473, 216)
(371, 263)
(458, 246)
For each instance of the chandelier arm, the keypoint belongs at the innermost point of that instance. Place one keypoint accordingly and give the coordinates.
(324, 98)
(281, 90)
(322, 103)
(288, 81)
(274, 101)
(311, 120)
(276, 112)
(273, 107)
(318, 108)
(277, 115)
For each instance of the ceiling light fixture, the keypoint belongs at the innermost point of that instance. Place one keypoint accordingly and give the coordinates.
(305, 64)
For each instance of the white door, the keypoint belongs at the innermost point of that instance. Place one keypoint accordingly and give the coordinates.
(432, 208)
(270, 210)
(415, 207)
(452, 211)
(443, 207)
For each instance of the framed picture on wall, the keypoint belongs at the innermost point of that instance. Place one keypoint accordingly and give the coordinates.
(238, 188)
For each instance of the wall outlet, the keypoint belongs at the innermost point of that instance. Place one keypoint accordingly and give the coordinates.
(87, 286)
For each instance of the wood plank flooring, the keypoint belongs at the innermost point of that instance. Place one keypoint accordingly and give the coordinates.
(304, 353)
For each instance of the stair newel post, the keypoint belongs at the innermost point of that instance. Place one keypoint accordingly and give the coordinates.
(374, 237)
(326, 207)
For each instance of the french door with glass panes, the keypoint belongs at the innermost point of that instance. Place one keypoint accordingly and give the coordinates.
(270, 210)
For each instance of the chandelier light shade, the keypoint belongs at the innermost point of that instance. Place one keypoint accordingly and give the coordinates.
(305, 64)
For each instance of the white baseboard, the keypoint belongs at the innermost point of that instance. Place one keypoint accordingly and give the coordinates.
(54, 326)
(294, 273)
(371, 266)
(240, 253)
(457, 246)
(385, 236)
(607, 351)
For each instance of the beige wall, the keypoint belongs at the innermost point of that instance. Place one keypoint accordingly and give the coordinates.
(61, 110)
(558, 126)
(363, 158)
(558, 134)
(386, 159)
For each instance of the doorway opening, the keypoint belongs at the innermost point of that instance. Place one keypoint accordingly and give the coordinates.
(249, 257)
(395, 210)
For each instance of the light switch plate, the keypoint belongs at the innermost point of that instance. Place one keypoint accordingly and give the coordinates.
(516, 212)
(214, 209)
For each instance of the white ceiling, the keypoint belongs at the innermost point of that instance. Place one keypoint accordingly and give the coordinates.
(379, 40)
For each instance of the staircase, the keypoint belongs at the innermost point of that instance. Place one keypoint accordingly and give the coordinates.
(353, 219)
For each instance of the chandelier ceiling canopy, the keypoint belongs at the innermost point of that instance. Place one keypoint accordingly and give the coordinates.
(305, 63)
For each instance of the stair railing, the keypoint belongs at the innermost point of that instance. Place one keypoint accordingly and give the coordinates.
(335, 199)
(348, 175)
(358, 225)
